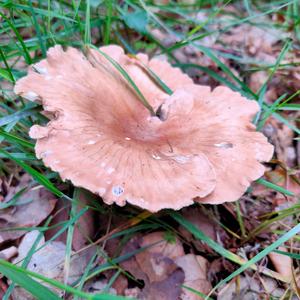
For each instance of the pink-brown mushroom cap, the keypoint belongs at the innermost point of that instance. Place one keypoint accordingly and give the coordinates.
(103, 139)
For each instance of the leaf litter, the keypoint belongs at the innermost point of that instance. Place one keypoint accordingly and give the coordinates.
(162, 264)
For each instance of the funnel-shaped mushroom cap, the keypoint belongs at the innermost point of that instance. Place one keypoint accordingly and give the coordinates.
(102, 138)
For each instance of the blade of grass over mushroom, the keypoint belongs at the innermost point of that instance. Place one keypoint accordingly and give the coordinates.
(259, 256)
(128, 79)
(155, 77)
(274, 187)
(218, 248)
(23, 278)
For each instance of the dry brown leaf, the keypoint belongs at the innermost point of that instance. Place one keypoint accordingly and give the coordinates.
(281, 137)
(33, 206)
(85, 228)
(253, 39)
(195, 268)
(61, 214)
(171, 250)
(161, 275)
(97, 286)
(247, 288)
(283, 264)
(49, 262)
(8, 253)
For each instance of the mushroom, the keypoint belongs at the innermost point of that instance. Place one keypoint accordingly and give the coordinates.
(202, 146)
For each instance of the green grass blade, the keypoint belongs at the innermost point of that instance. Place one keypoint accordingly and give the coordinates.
(7, 74)
(27, 259)
(87, 32)
(15, 139)
(128, 79)
(210, 17)
(109, 8)
(36, 175)
(201, 236)
(18, 115)
(18, 276)
(70, 233)
(286, 47)
(292, 106)
(291, 255)
(274, 187)
(286, 122)
(155, 77)
(217, 247)
(201, 295)
(19, 37)
(226, 69)
(259, 256)
(43, 12)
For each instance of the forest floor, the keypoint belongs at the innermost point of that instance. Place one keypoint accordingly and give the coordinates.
(58, 241)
